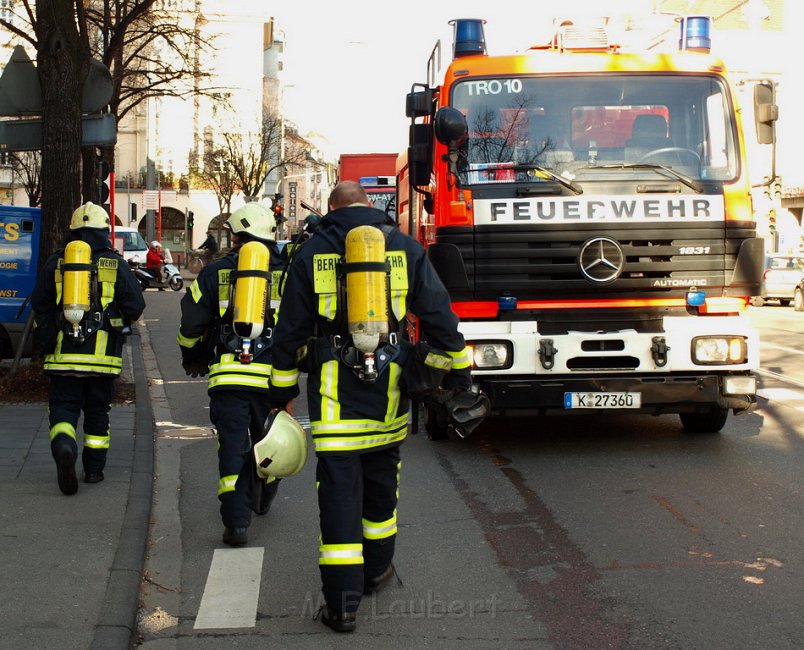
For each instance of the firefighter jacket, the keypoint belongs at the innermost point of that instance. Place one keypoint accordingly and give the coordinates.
(347, 415)
(116, 302)
(206, 325)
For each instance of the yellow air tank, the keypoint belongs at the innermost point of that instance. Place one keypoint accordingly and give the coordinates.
(76, 282)
(251, 289)
(366, 300)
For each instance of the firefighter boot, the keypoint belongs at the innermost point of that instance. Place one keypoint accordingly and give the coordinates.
(91, 476)
(338, 621)
(94, 460)
(264, 495)
(65, 453)
(373, 585)
(235, 536)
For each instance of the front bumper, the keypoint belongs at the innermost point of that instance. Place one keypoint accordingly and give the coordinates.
(660, 394)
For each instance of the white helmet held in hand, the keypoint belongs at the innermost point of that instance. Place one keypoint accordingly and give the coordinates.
(254, 219)
(283, 450)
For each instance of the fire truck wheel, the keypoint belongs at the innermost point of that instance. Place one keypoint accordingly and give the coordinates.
(435, 423)
(710, 422)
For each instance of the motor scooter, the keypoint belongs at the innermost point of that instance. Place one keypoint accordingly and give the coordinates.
(170, 272)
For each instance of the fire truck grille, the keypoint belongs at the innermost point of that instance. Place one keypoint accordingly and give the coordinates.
(593, 261)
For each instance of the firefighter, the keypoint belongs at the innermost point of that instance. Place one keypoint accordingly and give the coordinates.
(225, 331)
(84, 301)
(358, 414)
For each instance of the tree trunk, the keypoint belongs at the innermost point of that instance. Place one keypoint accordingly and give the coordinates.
(62, 71)
(89, 175)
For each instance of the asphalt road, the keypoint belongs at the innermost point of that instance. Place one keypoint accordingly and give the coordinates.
(564, 532)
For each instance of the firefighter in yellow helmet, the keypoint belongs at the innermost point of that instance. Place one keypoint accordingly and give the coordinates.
(85, 298)
(358, 410)
(227, 316)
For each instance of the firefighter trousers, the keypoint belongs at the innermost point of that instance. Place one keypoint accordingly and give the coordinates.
(68, 396)
(357, 497)
(239, 417)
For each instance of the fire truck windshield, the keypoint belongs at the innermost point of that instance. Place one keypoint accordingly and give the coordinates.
(582, 125)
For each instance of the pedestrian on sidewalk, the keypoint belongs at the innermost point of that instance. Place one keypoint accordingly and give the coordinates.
(82, 359)
(357, 425)
(238, 385)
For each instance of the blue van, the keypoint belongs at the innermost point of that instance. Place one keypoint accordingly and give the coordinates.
(20, 232)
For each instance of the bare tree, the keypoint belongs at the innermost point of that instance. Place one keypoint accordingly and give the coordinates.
(216, 173)
(149, 54)
(145, 49)
(58, 31)
(253, 156)
(27, 167)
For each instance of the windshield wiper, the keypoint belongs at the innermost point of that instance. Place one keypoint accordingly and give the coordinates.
(550, 174)
(687, 180)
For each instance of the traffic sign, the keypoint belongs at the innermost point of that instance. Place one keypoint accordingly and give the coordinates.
(20, 93)
(150, 200)
(26, 135)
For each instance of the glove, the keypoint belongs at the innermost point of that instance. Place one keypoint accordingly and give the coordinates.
(195, 362)
(44, 336)
(466, 410)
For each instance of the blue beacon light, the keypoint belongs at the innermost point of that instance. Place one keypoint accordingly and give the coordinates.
(468, 38)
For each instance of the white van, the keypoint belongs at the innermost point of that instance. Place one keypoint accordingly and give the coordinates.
(130, 244)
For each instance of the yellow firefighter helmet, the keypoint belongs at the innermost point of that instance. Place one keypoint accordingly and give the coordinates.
(254, 219)
(89, 215)
(283, 450)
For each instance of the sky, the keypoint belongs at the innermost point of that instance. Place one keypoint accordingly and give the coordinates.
(348, 65)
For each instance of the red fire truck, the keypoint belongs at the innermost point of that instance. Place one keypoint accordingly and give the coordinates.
(589, 210)
(376, 172)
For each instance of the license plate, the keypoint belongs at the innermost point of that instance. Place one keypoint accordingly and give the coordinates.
(602, 400)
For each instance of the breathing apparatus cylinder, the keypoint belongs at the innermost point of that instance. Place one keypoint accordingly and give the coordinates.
(250, 294)
(76, 282)
(366, 298)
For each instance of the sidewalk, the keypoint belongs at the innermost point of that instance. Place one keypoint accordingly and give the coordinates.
(72, 566)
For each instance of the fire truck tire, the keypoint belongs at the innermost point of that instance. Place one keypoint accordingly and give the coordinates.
(710, 422)
(435, 423)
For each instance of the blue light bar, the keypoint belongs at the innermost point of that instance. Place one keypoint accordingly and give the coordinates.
(506, 303)
(695, 31)
(377, 181)
(468, 37)
(696, 298)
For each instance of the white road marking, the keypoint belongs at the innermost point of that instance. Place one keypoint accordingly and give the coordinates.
(773, 346)
(786, 394)
(782, 378)
(232, 589)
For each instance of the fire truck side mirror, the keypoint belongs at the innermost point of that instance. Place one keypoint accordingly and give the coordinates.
(450, 126)
(420, 154)
(766, 112)
(419, 103)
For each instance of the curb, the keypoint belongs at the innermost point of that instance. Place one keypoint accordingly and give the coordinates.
(117, 622)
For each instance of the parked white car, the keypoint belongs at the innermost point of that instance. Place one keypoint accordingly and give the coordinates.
(130, 244)
(782, 274)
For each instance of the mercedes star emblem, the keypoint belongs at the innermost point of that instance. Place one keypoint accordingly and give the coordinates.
(601, 260)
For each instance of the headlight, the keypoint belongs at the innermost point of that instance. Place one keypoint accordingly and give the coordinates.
(711, 350)
(491, 355)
